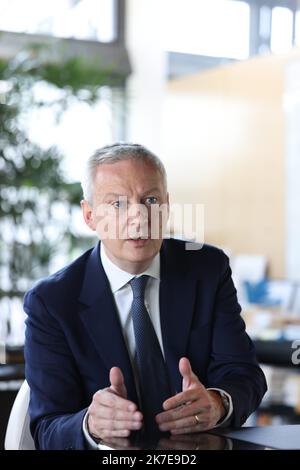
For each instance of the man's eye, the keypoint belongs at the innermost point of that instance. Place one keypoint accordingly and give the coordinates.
(151, 200)
(119, 204)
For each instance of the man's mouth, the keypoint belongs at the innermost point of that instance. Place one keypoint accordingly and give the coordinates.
(138, 241)
(138, 238)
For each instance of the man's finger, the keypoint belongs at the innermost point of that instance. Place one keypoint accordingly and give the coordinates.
(117, 382)
(109, 425)
(185, 367)
(113, 414)
(181, 412)
(108, 398)
(189, 421)
(189, 379)
(185, 397)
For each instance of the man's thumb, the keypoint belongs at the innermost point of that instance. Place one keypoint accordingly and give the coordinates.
(117, 382)
(188, 376)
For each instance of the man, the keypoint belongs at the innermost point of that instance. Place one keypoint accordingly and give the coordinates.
(138, 333)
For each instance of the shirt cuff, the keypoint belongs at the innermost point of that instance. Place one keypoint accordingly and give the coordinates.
(90, 441)
(226, 419)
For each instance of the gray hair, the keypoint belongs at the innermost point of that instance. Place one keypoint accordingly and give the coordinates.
(113, 154)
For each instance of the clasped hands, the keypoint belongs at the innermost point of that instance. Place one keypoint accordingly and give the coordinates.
(195, 409)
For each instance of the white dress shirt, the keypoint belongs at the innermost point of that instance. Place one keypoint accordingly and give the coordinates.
(122, 292)
(123, 296)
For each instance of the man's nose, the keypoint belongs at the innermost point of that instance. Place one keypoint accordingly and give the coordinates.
(137, 214)
(138, 222)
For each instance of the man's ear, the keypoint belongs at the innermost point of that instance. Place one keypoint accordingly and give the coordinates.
(87, 213)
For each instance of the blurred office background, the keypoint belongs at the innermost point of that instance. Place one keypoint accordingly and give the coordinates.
(211, 86)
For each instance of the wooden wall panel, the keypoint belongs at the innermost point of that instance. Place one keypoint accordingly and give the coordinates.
(224, 147)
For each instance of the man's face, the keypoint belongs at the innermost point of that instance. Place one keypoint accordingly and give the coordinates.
(129, 199)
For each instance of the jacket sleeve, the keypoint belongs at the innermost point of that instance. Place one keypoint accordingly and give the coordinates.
(233, 366)
(56, 399)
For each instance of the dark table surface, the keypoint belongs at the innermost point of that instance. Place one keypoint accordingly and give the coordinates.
(190, 442)
(281, 437)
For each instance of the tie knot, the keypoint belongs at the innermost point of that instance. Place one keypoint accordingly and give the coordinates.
(138, 285)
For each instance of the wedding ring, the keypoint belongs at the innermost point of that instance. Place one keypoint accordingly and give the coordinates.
(197, 419)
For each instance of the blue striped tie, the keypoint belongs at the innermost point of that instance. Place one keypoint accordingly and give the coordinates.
(152, 370)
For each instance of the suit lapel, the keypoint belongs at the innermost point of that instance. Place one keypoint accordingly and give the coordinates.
(99, 316)
(177, 299)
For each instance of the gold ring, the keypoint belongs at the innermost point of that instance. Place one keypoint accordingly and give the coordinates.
(197, 419)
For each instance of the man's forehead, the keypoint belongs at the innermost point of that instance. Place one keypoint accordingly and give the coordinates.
(117, 168)
(113, 176)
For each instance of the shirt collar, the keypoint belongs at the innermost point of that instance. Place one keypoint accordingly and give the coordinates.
(118, 278)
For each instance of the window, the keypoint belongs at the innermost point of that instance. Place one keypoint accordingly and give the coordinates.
(297, 28)
(80, 19)
(217, 28)
(75, 140)
(265, 16)
(282, 30)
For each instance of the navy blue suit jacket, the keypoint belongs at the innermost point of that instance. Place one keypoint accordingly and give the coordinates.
(73, 338)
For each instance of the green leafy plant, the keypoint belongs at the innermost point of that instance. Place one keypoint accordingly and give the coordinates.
(36, 201)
